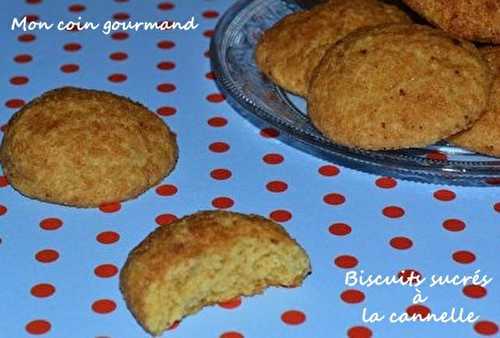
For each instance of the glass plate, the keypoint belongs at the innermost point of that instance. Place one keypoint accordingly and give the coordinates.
(259, 100)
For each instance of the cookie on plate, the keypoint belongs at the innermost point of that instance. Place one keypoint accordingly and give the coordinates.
(207, 258)
(83, 148)
(477, 20)
(398, 86)
(484, 136)
(289, 51)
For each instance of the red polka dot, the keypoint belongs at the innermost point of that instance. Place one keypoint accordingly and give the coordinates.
(280, 215)
(69, 68)
(110, 207)
(418, 309)
(26, 38)
(231, 334)
(72, 47)
(3, 181)
(47, 256)
(217, 122)
(401, 243)
(19, 80)
(273, 158)
(166, 87)
(105, 270)
(210, 75)
(359, 332)
(222, 202)
(166, 6)
(328, 170)
(454, 225)
(352, 296)
(497, 207)
(293, 317)
(208, 33)
(340, 229)
(219, 147)
(23, 58)
(33, 2)
(173, 326)
(118, 56)
(116, 78)
(165, 219)
(43, 290)
(121, 16)
(76, 8)
(165, 44)
(493, 181)
(474, 291)
(410, 276)
(486, 328)
(32, 17)
(221, 174)
(334, 199)
(14, 103)
(463, 257)
(166, 190)
(386, 182)
(108, 237)
(166, 111)
(215, 98)
(276, 186)
(38, 326)
(165, 65)
(231, 304)
(444, 195)
(437, 156)
(346, 261)
(269, 133)
(120, 36)
(210, 14)
(393, 212)
(3, 210)
(104, 306)
(51, 223)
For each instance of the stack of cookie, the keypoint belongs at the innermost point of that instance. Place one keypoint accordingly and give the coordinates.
(375, 80)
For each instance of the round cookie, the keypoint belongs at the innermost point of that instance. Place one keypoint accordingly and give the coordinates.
(289, 51)
(484, 136)
(398, 86)
(477, 20)
(207, 258)
(83, 148)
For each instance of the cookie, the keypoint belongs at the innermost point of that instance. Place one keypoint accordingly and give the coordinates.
(289, 51)
(398, 86)
(477, 20)
(83, 148)
(207, 258)
(484, 136)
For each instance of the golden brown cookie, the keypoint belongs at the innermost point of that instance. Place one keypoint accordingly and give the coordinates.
(289, 51)
(484, 136)
(207, 258)
(477, 20)
(398, 86)
(83, 148)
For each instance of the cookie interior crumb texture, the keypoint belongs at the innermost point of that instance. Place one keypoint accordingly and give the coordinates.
(81, 147)
(398, 86)
(207, 258)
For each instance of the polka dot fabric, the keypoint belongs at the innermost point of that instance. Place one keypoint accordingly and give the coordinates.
(60, 266)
